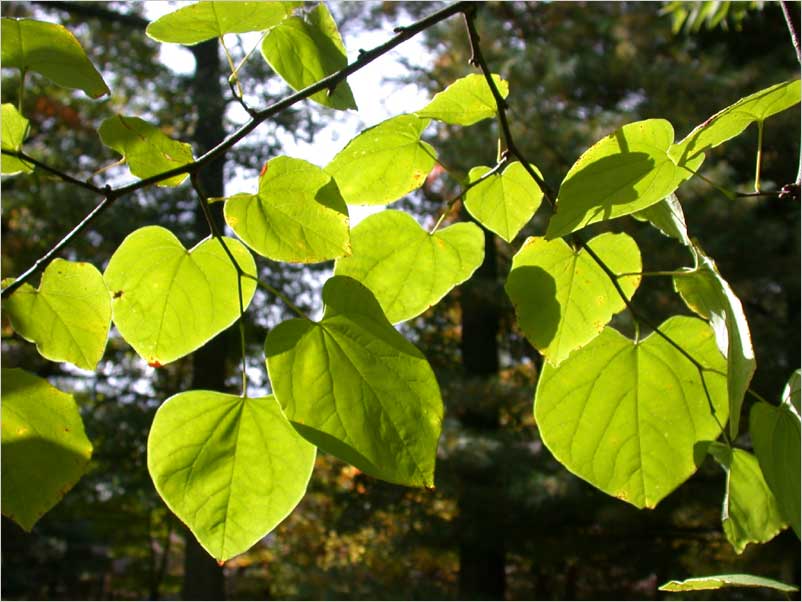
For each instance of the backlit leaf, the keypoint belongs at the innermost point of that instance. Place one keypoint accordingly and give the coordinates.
(51, 50)
(503, 202)
(45, 450)
(231, 468)
(405, 267)
(668, 217)
(68, 317)
(721, 581)
(562, 298)
(146, 149)
(466, 101)
(207, 20)
(15, 130)
(749, 512)
(384, 162)
(356, 388)
(297, 215)
(626, 416)
(733, 120)
(710, 296)
(791, 392)
(304, 50)
(167, 301)
(623, 173)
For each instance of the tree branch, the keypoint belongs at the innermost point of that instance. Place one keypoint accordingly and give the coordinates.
(52, 170)
(224, 146)
(95, 10)
(792, 30)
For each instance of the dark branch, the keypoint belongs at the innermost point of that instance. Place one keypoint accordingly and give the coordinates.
(52, 170)
(792, 30)
(95, 10)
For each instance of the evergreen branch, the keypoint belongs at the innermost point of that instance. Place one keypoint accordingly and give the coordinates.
(219, 151)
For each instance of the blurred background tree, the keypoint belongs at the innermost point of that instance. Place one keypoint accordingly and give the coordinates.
(506, 521)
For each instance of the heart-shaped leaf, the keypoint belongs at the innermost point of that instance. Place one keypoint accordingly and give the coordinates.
(208, 20)
(51, 50)
(68, 317)
(45, 449)
(406, 268)
(465, 102)
(562, 298)
(297, 215)
(503, 202)
(167, 301)
(146, 149)
(384, 162)
(668, 217)
(622, 173)
(749, 513)
(710, 296)
(626, 416)
(720, 581)
(776, 438)
(15, 130)
(733, 120)
(232, 468)
(358, 389)
(305, 50)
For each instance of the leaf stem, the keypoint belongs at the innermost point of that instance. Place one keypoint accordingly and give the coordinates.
(235, 72)
(231, 66)
(21, 93)
(758, 396)
(759, 157)
(651, 274)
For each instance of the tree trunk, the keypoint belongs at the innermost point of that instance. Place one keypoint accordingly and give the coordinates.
(203, 578)
(481, 501)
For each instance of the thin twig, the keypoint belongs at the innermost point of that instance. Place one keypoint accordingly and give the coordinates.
(792, 30)
(52, 170)
(225, 145)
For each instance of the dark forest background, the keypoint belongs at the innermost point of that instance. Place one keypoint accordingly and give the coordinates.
(506, 521)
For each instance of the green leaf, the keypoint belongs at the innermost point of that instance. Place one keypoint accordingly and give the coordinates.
(405, 267)
(623, 173)
(791, 392)
(358, 389)
(733, 120)
(15, 130)
(776, 439)
(167, 301)
(562, 298)
(297, 215)
(710, 296)
(51, 50)
(721, 581)
(68, 317)
(503, 202)
(305, 50)
(145, 147)
(626, 416)
(668, 217)
(231, 468)
(749, 512)
(384, 162)
(465, 102)
(45, 450)
(208, 20)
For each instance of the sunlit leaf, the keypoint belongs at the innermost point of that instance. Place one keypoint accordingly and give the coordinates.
(622, 173)
(15, 130)
(384, 162)
(668, 217)
(304, 50)
(720, 581)
(503, 202)
(749, 512)
(68, 317)
(775, 434)
(791, 392)
(146, 149)
(466, 101)
(51, 50)
(45, 450)
(356, 388)
(626, 416)
(405, 267)
(207, 20)
(710, 296)
(562, 298)
(231, 468)
(167, 301)
(733, 120)
(297, 215)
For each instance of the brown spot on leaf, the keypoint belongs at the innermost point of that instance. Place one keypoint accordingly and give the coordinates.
(264, 170)
(117, 295)
(155, 364)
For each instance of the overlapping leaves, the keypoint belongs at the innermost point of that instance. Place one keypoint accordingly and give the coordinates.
(15, 130)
